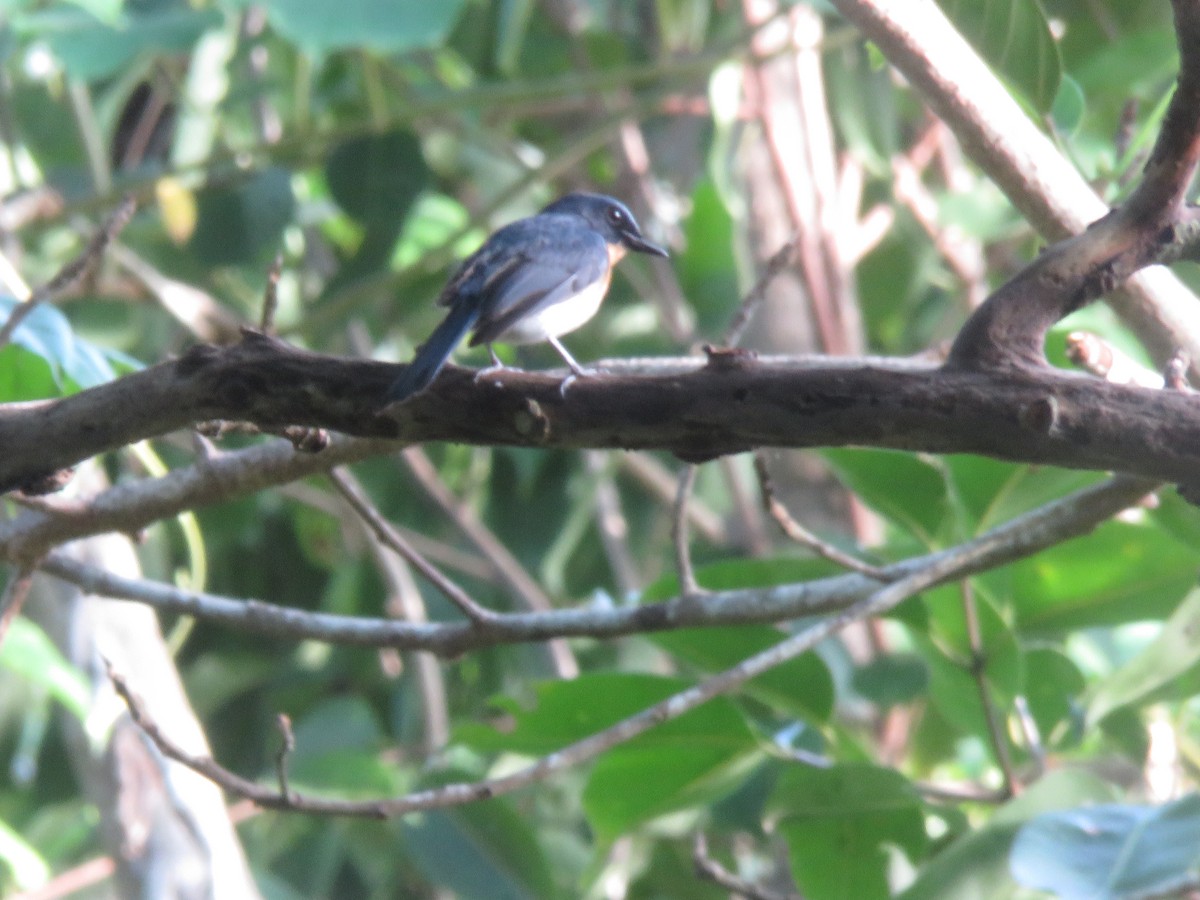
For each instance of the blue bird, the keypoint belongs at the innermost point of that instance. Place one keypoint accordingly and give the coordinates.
(531, 281)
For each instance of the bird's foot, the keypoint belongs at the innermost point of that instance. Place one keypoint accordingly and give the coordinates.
(495, 368)
(576, 374)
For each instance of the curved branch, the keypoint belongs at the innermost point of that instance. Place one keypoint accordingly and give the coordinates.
(999, 136)
(1070, 517)
(953, 564)
(697, 410)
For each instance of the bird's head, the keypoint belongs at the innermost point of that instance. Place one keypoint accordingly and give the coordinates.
(610, 218)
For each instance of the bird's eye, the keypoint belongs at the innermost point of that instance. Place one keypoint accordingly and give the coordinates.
(616, 216)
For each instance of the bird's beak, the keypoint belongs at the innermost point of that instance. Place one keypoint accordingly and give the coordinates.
(639, 244)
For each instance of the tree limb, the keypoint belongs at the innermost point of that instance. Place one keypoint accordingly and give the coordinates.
(1069, 517)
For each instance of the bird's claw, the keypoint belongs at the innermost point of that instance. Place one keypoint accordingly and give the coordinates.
(575, 375)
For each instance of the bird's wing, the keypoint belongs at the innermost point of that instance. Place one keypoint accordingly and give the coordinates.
(550, 271)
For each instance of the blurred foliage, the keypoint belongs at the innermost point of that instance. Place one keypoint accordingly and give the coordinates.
(372, 144)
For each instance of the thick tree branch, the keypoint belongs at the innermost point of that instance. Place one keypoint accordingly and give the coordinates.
(697, 410)
(999, 136)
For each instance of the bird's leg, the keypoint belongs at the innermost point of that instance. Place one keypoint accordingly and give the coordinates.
(577, 371)
(496, 366)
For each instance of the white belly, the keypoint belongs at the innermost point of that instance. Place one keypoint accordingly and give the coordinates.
(557, 318)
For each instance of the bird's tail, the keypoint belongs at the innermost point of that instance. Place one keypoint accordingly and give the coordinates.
(433, 353)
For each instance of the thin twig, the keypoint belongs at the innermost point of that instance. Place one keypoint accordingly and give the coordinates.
(961, 793)
(801, 535)
(405, 602)
(1029, 533)
(688, 586)
(611, 523)
(661, 484)
(73, 271)
(391, 538)
(1033, 735)
(754, 298)
(520, 583)
(14, 596)
(271, 296)
(709, 869)
(287, 746)
(978, 670)
(952, 565)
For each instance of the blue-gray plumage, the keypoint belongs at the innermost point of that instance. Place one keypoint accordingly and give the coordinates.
(531, 281)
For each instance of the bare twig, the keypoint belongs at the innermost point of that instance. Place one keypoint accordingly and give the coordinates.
(961, 793)
(977, 667)
(753, 298)
(1032, 734)
(519, 582)
(709, 869)
(287, 746)
(688, 585)
(1029, 533)
(404, 602)
(73, 271)
(73, 881)
(954, 564)
(611, 523)
(391, 538)
(271, 296)
(661, 484)
(801, 535)
(13, 598)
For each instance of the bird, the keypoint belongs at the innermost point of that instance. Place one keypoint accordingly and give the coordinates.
(533, 280)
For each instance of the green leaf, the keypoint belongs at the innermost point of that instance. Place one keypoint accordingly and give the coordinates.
(1069, 107)
(566, 711)
(336, 724)
(484, 849)
(46, 357)
(377, 177)
(976, 865)
(94, 47)
(30, 653)
(954, 690)
(706, 267)
(1014, 37)
(1121, 572)
(692, 759)
(892, 679)
(1052, 686)
(1165, 667)
(382, 25)
(802, 687)
(239, 224)
(1180, 518)
(1111, 851)
(689, 761)
(838, 823)
(990, 492)
(345, 773)
(901, 487)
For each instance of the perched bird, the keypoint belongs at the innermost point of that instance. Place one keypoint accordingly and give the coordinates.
(531, 281)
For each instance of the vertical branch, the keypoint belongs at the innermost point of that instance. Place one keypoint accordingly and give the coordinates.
(523, 587)
(978, 669)
(611, 523)
(680, 534)
(13, 598)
